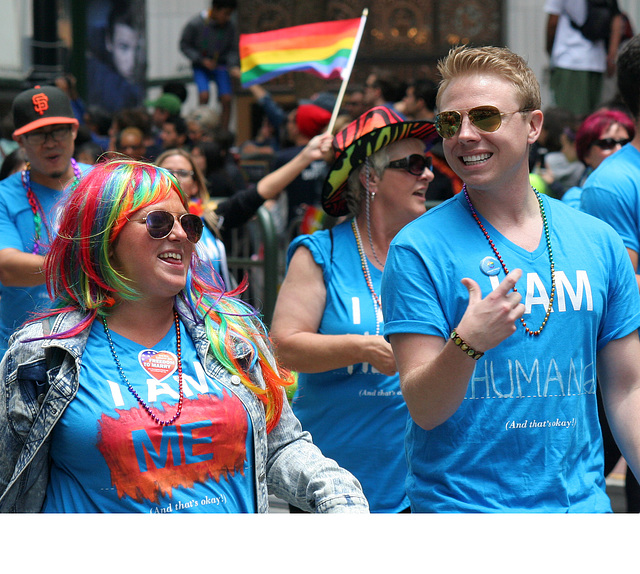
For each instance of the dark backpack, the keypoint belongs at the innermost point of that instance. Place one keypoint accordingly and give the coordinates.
(597, 26)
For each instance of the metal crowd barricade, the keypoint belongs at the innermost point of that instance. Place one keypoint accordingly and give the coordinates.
(254, 250)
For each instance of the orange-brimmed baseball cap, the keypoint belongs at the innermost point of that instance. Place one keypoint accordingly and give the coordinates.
(41, 106)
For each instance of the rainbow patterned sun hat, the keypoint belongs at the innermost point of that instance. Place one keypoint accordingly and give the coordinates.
(376, 128)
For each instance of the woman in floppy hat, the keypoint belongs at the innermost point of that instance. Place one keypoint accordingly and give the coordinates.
(327, 324)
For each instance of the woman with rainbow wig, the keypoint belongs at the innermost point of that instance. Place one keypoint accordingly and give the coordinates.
(147, 388)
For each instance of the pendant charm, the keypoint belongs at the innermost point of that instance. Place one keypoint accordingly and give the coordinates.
(490, 266)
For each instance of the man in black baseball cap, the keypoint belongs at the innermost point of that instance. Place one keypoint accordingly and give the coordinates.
(46, 129)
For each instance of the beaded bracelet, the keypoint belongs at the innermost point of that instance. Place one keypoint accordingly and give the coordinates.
(457, 340)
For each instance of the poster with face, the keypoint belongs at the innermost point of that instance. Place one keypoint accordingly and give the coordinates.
(116, 58)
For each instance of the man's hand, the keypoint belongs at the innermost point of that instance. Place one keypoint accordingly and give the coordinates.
(489, 321)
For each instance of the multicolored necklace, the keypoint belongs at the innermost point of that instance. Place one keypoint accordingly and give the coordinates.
(377, 306)
(39, 218)
(547, 236)
(123, 376)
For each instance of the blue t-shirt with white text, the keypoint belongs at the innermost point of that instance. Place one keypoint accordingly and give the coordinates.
(526, 436)
(108, 455)
(356, 415)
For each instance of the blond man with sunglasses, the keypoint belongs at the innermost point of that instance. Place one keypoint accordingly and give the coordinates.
(499, 305)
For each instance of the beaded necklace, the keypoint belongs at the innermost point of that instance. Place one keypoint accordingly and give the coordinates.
(123, 376)
(547, 236)
(39, 218)
(377, 307)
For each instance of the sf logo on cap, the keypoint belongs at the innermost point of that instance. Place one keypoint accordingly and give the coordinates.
(40, 103)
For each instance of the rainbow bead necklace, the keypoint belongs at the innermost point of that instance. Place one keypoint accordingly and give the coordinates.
(547, 236)
(39, 218)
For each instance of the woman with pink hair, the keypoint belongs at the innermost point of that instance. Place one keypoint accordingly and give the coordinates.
(600, 135)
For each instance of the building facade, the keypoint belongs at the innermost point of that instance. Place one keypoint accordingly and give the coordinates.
(407, 36)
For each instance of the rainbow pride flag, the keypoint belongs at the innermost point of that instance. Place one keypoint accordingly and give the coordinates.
(322, 49)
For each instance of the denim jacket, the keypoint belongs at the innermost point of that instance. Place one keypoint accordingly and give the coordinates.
(39, 379)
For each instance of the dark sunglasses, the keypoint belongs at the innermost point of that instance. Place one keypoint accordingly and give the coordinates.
(415, 164)
(160, 224)
(610, 143)
(485, 118)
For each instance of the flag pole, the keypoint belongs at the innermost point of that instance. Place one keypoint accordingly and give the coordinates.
(346, 73)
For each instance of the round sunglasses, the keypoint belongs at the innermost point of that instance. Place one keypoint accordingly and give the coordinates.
(610, 143)
(160, 224)
(485, 118)
(415, 164)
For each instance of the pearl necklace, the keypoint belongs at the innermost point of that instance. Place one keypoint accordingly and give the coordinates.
(377, 306)
(123, 376)
(39, 218)
(547, 236)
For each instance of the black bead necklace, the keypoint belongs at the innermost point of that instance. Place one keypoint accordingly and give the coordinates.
(144, 405)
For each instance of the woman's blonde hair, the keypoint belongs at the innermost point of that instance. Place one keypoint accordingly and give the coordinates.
(209, 215)
(198, 176)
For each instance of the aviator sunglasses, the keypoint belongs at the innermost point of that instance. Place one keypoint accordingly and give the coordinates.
(485, 118)
(160, 224)
(610, 143)
(415, 164)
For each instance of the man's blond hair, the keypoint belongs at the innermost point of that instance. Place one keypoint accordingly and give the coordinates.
(501, 62)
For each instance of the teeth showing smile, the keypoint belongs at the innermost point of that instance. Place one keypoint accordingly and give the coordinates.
(475, 159)
(175, 256)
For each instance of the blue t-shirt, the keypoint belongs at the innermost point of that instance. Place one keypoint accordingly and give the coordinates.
(356, 415)
(612, 193)
(17, 231)
(526, 436)
(572, 197)
(108, 455)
